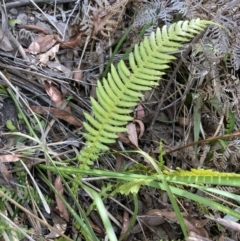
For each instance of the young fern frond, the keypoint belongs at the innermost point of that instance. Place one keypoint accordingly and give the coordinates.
(123, 87)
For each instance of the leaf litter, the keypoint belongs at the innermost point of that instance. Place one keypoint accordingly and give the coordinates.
(57, 71)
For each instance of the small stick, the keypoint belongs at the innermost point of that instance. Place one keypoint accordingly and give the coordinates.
(26, 2)
(213, 138)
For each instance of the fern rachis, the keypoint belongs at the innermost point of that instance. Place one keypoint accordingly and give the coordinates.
(122, 89)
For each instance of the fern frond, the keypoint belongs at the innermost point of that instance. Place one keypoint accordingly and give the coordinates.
(124, 85)
(199, 173)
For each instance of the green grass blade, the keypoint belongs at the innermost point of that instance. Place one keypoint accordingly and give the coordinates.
(82, 221)
(102, 212)
(226, 180)
(197, 198)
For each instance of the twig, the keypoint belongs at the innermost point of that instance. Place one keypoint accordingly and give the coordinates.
(3, 195)
(69, 17)
(46, 16)
(26, 2)
(213, 138)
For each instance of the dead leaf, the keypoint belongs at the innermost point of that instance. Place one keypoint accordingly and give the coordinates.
(42, 44)
(58, 223)
(33, 48)
(4, 171)
(139, 112)
(152, 218)
(100, 19)
(50, 54)
(93, 88)
(190, 222)
(78, 75)
(119, 162)
(169, 215)
(65, 90)
(34, 28)
(136, 229)
(125, 223)
(123, 138)
(183, 121)
(141, 127)
(191, 227)
(132, 134)
(58, 113)
(61, 207)
(10, 158)
(96, 229)
(6, 179)
(72, 43)
(60, 67)
(53, 93)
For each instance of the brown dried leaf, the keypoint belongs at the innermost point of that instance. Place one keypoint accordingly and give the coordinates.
(34, 48)
(78, 74)
(191, 224)
(136, 229)
(153, 220)
(60, 67)
(139, 112)
(191, 227)
(126, 222)
(119, 162)
(132, 134)
(61, 207)
(169, 215)
(65, 90)
(152, 217)
(93, 88)
(51, 53)
(10, 158)
(4, 172)
(73, 42)
(59, 223)
(53, 93)
(58, 113)
(6, 179)
(107, 19)
(123, 138)
(96, 229)
(141, 127)
(44, 43)
(183, 121)
(34, 28)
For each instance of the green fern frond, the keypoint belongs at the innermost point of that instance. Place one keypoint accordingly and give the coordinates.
(199, 173)
(124, 85)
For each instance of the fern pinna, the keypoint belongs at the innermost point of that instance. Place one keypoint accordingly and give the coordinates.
(122, 89)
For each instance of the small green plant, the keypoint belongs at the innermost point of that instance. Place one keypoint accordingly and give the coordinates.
(125, 83)
(117, 94)
(10, 125)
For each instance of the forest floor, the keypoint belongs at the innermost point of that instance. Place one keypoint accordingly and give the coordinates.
(53, 55)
